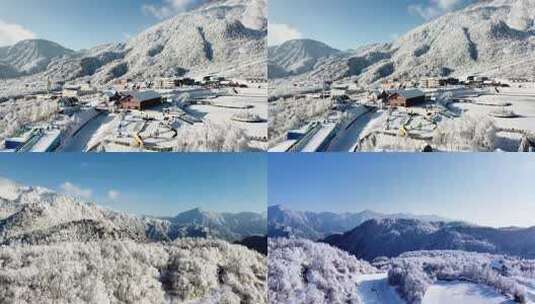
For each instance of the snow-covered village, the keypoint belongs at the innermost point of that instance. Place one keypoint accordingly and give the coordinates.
(164, 115)
(462, 81)
(192, 82)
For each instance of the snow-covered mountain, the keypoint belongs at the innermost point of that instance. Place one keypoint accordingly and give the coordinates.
(283, 222)
(227, 37)
(493, 37)
(109, 257)
(296, 57)
(391, 237)
(30, 57)
(36, 215)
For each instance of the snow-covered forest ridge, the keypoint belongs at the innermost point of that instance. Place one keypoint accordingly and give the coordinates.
(399, 258)
(302, 271)
(58, 249)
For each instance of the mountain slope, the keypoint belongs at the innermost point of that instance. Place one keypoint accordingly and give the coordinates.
(185, 271)
(391, 237)
(230, 226)
(227, 37)
(29, 57)
(224, 37)
(288, 223)
(298, 56)
(494, 37)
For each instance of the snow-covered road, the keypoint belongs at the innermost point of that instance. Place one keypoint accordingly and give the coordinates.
(79, 142)
(347, 139)
(462, 292)
(374, 289)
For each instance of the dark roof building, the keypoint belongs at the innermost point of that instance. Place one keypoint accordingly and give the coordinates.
(406, 98)
(140, 100)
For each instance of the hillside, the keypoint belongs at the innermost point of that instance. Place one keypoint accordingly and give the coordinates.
(186, 271)
(296, 57)
(30, 57)
(392, 237)
(284, 222)
(227, 37)
(493, 37)
(301, 271)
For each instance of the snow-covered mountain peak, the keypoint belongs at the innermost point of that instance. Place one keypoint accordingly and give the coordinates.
(9, 190)
(32, 56)
(15, 192)
(489, 37)
(224, 37)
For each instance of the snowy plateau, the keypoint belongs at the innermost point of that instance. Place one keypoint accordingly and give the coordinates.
(59, 249)
(402, 260)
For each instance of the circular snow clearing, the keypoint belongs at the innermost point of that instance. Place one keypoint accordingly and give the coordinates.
(463, 292)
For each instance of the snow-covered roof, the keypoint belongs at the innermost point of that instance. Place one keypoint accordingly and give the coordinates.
(144, 95)
(410, 93)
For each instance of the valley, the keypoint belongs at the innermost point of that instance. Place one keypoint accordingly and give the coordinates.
(465, 72)
(464, 268)
(157, 93)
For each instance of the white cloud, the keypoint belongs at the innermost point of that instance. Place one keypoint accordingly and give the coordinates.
(75, 190)
(170, 7)
(436, 8)
(113, 194)
(11, 33)
(279, 33)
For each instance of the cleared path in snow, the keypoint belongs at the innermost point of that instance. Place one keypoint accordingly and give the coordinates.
(374, 289)
(463, 292)
(79, 142)
(347, 139)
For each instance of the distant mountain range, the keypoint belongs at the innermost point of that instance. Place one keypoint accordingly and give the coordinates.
(493, 37)
(34, 215)
(391, 237)
(227, 37)
(283, 222)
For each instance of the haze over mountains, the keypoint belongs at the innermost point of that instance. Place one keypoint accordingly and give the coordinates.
(283, 222)
(227, 37)
(494, 37)
(34, 215)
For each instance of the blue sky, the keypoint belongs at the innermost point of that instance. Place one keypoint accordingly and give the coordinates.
(80, 24)
(347, 24)
(149, 184)
(486, 189)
